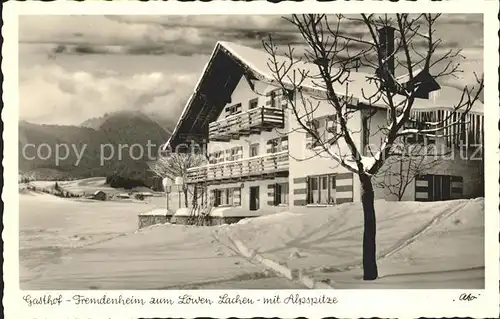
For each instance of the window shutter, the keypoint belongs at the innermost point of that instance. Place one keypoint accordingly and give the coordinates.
(212, 197)
(284, 143)
(430, 180)
(308, 190)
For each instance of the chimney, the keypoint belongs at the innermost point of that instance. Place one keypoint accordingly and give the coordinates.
(386, 40)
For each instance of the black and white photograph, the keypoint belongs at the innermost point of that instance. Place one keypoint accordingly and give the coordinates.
(286, 152)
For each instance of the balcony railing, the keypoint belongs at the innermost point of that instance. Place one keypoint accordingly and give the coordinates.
(254, 167)
(253, 121)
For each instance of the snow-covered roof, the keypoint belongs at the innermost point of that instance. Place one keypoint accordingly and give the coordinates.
(257, 62)
(183, 211)
(358, 85)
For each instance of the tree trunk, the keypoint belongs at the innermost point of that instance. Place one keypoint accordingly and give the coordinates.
(370, 271)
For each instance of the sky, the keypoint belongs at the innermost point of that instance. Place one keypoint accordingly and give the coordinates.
(72, 68)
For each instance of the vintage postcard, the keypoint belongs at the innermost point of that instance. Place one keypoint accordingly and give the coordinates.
(233, 159)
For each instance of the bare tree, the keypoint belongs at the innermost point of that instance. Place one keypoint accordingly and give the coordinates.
(322, 76)
(407, 161)
(176, 165)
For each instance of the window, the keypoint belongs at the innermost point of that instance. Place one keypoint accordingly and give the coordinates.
(217, 197)
(325, 127)
(234, 153)
(227, 197)
(438, 187)
(254, 150)
(223, 197)
(280, 194)
(233, 109)
(253, 103)
(279, 144)
(321, 189)
(313, 196)
(217, 157)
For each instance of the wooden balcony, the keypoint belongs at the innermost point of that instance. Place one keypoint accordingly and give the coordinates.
(253, 121)
(259, 167)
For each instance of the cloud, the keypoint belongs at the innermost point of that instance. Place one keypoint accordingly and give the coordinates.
(99, 30)
(182, 35)
(57, 92)
(197, 34)
(181, 49)
(213, 22)
(52, 95)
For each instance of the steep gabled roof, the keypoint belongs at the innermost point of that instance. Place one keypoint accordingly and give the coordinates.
(230, 61)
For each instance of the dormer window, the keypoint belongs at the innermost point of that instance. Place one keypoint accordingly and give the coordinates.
(253, 103)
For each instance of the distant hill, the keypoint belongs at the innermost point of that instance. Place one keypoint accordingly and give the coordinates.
(96, 122)
(168, 124)
(118, 132)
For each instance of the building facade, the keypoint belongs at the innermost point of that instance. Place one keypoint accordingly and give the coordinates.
(259, 159)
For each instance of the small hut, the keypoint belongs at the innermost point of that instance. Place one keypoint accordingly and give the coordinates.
(99, 195)
(123, 196)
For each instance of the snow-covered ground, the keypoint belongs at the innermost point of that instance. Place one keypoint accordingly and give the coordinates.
(84, 244)
(50, 227)
(420, 245)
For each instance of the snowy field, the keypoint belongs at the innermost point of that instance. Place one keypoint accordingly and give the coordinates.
(420, 245)
(84, 244)
(87, 244)
(89, 186)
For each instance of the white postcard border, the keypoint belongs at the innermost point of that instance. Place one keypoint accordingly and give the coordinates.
(351, 303)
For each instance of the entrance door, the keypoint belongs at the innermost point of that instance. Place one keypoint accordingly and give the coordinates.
(254, 198)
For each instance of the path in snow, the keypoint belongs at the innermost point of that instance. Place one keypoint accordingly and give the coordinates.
(424, 238)
(421, 245)
(164, 257)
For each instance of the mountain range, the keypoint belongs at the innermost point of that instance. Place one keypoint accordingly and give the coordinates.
(110, 145)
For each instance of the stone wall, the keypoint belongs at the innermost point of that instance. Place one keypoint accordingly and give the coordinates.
(214, 221)
(149, 220)
(210, 221)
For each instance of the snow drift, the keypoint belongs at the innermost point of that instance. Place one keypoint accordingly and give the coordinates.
(439, 241)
